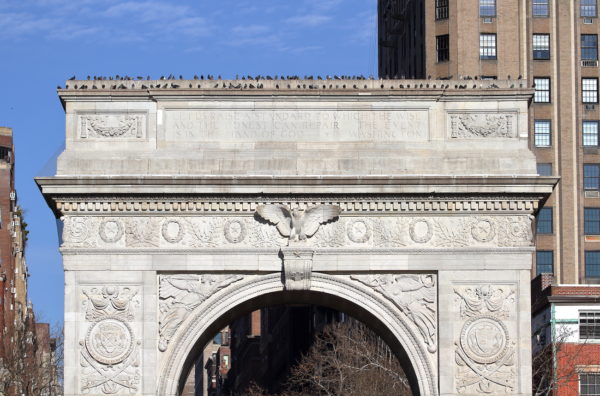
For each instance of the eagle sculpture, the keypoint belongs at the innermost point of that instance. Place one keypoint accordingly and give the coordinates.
(296, 224)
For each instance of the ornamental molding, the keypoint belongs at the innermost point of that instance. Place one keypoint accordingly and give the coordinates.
(110, 350)
(414, 295)
(179, 295)
(486, 347)
(116, 126)
(483, 125)
(351, 205)
(245, 233)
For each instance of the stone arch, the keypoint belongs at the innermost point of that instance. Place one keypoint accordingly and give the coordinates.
(334, 291)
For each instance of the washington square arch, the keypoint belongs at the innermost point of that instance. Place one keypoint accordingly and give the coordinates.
(407, 204)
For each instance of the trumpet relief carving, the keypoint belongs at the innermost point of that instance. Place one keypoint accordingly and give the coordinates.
(414, 295)
(180, 294)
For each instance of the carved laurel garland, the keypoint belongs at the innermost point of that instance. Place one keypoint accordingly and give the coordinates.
(407, 232)
(485, 349)
(110, 353)
(482, 125)
(111, 126)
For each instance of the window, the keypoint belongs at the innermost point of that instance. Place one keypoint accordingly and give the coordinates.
(544, 262)
(443, 48)
(544, 221)
(487, 46)
(487, 8)
(589, 8)
(441, 9)
(591, 176)
(540, 8)
(542, 131)
(592, 264)
(542, 89)
(590, 133)
(591, 223)
(544, 169)
(541, 46)
(589, 326)
(589, 88)
(589, 47)
(489, 78)
(589, 384)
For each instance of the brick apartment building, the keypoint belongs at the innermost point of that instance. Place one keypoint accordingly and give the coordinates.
(551, 45)
(16, 312)
(566, 319)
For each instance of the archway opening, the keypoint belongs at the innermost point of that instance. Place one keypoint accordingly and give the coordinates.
(295, 299)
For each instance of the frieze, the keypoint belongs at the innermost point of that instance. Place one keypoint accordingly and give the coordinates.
(110, 351)
(112, 126)
(180, 294)
(485, 348)
(482, 125)
(414, 295)
(348, 232)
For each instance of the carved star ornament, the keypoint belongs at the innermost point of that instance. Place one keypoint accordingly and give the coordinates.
(296, 224)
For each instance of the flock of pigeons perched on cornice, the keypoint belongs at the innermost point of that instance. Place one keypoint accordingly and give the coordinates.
(275, 82)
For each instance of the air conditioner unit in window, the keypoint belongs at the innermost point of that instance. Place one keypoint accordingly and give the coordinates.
(487, 20)
(592, 194)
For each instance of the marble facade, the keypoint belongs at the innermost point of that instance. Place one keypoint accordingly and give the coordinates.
(158, 190)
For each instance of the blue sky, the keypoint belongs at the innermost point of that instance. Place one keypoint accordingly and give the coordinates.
(44, 42)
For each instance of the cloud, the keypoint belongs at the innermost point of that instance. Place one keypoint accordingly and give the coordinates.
(250, 30)
(147, 11)
(309, 19)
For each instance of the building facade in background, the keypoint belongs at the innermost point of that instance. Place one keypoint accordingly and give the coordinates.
(551, 45)
(27, 351)
(566, 337)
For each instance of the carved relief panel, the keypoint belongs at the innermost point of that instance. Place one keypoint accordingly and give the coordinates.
(110, 341)
(485, 339)
(483, 125)
(415, 295)
(195, 232)
(112, 126)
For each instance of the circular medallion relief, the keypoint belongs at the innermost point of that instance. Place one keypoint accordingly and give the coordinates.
(110, 340)
(111, 231)
(235, 231)
(420, 230)
(358, 231)
(173, 231)
(78, 230)
(484, 339)
(483, 230)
